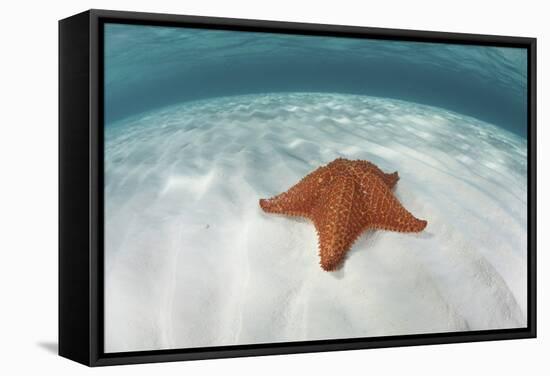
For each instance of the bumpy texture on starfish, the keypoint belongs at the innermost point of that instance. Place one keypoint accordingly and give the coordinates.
(343, 199)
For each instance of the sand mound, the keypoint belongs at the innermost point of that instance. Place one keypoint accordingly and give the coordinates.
(191, 260)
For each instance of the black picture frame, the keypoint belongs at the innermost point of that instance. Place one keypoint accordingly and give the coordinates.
(81, 188)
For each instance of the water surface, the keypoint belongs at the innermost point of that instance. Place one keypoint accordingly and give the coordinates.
(150, 66)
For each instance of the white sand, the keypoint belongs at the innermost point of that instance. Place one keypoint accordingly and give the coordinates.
(191, 260)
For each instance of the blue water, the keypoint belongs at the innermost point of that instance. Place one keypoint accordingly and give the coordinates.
(149, 66)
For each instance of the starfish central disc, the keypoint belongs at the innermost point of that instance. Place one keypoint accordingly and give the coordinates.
(343, 199)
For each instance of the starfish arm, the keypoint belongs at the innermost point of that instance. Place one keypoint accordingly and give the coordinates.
(386, 212)
(391, 179)
(301, 197)
(361, 167)
(337, 221)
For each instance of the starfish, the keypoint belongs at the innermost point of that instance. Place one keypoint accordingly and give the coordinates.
(344, 199)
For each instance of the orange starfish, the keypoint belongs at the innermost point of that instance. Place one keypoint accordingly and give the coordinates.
(343, 199)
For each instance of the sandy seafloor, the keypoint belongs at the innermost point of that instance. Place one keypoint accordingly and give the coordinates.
(192, 261)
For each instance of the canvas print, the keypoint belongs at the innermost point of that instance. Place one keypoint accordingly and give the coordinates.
(274, 187)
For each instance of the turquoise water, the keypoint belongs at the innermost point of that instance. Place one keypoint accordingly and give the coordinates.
(147, 67)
